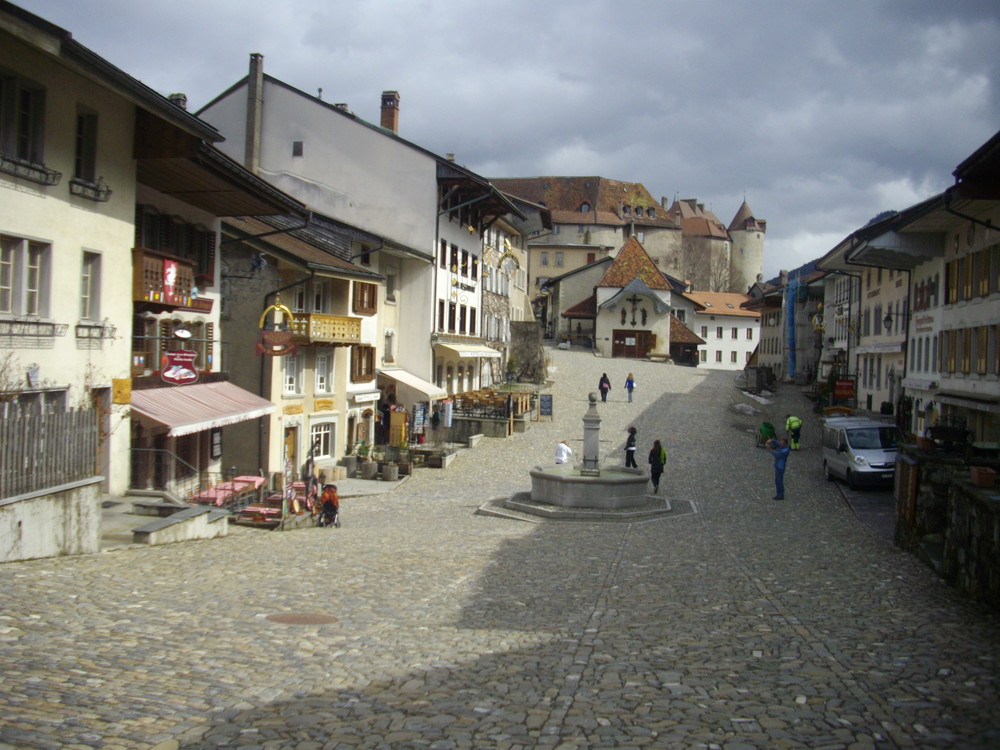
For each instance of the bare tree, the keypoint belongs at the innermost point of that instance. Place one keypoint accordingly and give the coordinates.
(10, 377)
(718, 274)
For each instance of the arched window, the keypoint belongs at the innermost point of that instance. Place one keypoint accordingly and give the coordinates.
(585, 208)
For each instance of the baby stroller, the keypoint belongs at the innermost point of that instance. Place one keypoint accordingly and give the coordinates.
(765, 433)
(329, 511)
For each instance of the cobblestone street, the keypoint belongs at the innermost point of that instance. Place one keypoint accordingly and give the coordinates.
(748, 623)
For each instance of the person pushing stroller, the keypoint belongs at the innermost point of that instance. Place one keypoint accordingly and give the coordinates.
(329, 512)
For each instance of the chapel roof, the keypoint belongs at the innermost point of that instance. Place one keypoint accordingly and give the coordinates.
(633, 262)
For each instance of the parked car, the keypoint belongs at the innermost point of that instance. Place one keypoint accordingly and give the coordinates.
(859, 450)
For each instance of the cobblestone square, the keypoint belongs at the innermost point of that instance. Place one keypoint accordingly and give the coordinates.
(748, 623)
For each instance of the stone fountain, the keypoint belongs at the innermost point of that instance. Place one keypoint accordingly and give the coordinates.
(589, 485)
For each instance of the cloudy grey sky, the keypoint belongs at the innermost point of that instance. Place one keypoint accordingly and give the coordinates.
(821, 113)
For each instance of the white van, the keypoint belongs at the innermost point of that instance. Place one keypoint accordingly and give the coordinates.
(860, 450)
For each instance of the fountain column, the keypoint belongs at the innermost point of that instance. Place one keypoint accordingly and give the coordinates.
(591, 440)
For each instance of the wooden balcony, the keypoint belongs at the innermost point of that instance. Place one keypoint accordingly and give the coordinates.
(319, 328)
(149, 283)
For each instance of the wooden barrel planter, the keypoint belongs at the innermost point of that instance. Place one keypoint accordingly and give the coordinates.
(390, 472)
(368, 470)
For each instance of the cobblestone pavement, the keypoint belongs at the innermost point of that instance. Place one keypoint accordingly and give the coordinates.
(748, 624)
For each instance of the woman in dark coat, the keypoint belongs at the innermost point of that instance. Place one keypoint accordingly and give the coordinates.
(657, 458)
(604, 385)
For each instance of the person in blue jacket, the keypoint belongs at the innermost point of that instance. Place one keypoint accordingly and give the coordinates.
(630, 385)
(779, 449)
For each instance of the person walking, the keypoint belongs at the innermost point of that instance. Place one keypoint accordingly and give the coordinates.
(793, 426)
(563, 452)
(630, 385)
(657, 458)
(604, 385)
(779, 449)
(630, 449)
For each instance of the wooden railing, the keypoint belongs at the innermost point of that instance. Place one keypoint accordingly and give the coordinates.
(320, 328)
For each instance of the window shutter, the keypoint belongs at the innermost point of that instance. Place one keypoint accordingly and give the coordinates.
(138, 225)
(207, 270)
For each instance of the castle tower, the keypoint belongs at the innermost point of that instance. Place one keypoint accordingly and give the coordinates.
(746, 260)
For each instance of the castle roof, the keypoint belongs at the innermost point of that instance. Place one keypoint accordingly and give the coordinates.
(633, 262)
(695, 220)
(608, 202)
(745, 220)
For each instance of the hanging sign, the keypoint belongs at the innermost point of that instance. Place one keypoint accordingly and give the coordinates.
(179, 367)
(275, 341)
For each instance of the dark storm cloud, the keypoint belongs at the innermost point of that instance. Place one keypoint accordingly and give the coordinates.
(822, 114)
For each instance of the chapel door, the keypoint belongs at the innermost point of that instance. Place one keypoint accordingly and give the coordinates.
(626, 343)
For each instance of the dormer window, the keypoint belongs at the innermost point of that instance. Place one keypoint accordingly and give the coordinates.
(626, 210)
(708, 304)
(650, 213)
(585, 208)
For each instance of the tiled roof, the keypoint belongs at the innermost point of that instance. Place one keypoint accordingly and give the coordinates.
(696, 220)
(681, 334)
(744, 215)
(632, 262)
(722, 303)
(608, 200)
(583, 309)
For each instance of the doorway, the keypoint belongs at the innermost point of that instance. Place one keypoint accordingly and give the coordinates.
(637, 344)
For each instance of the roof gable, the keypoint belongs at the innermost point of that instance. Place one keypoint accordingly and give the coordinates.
(633, 262)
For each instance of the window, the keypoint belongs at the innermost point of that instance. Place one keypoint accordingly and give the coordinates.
(319, 293)
(24, 277)
(584, 208)
(591, 257)
(298, 148)
(365, 298)
(324, 371)
(362, 363)
(641, 236)
(703, 355)
(193, 242)
(391, 273)
(472, 321)
(475, 267)
(451, 317)
(441, 315)
(735, 333)
(718, 332)
(718, 356)
(545, 257)
(704, 332)
(749, 334)
(22, 119)
(85, 163)
(454, 258)
(321, 439)
(464, 267)
(443, 254)
(732, 357)
(461, 318)
(291, 365)
(389, 347)
(559, 259)
(90, 285)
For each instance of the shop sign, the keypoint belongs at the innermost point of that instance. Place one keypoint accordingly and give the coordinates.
(178, 367)
(843, 388)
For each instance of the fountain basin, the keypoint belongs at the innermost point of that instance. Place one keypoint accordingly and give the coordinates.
(567, 487)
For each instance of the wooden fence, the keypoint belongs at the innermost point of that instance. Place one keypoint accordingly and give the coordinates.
(39, 449)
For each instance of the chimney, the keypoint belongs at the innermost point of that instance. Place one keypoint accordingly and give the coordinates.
(390, 111)
(255, 110)
(179, 100)
(449, 157)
